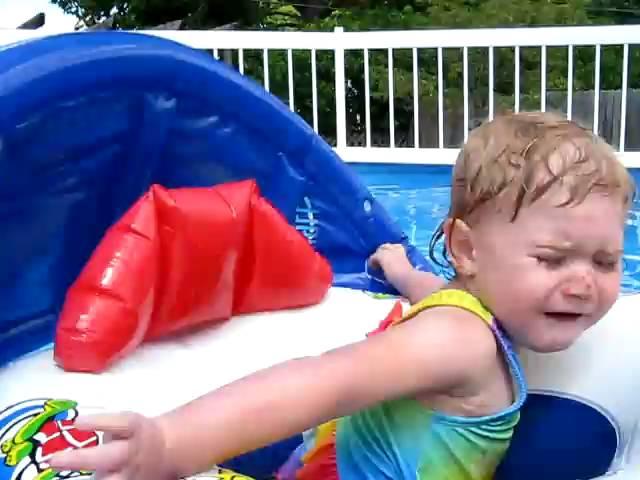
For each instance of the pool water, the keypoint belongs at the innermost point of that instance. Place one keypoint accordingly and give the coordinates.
(417, 197)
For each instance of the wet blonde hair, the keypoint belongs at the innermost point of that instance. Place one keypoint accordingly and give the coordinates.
(524, 155)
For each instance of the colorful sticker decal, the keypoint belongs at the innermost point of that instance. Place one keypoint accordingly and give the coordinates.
(32, 431)
(220, 474)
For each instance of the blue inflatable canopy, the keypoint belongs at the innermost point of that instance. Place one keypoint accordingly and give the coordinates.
(90, 120)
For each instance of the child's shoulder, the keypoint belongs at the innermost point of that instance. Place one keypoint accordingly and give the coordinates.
(441, 351)
(455, 328)
(445, 341)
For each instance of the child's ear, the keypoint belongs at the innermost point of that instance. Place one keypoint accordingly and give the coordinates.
(459, 242)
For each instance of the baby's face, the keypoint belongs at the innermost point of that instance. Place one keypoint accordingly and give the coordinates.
(554, 271)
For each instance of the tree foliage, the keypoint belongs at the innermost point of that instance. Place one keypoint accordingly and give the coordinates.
(146, 13)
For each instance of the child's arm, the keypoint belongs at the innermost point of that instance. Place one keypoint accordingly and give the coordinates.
(415, 357)
(291, 397)
(412, 284)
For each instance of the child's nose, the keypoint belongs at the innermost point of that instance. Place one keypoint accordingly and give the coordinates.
(580, 285)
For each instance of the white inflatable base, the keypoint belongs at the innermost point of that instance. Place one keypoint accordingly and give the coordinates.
(600, 370)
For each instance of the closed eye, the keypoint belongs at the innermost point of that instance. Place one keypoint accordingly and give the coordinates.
(608, 264)
(552, 261)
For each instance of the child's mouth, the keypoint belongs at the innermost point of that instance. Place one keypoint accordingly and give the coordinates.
(563, 316)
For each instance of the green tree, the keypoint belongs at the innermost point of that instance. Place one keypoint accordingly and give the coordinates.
(145, 13)
(620, 11)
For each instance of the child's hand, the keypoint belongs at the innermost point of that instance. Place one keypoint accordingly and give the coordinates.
(409, 282)
(135, 450)
(392, 259)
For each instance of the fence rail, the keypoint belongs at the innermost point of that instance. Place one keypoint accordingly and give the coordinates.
(412, 96)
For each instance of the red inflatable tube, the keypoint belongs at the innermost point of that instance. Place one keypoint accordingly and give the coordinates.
(181, 259)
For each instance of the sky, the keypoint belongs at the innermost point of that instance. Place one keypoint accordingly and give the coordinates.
(15, 12)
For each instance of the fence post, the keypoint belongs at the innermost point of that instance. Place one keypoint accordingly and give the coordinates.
(341, 109)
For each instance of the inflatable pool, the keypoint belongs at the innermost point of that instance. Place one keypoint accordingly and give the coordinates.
(91, 121)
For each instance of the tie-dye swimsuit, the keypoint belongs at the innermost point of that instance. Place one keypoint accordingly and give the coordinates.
(402, 439)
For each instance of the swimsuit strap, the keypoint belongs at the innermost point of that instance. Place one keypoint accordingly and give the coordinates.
(453, 298)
